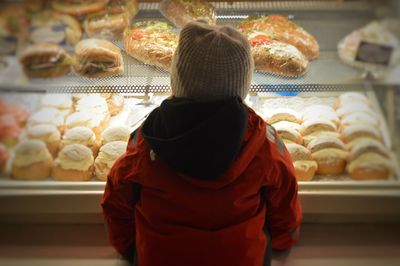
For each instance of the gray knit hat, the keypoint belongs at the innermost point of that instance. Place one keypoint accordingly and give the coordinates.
(211, 63)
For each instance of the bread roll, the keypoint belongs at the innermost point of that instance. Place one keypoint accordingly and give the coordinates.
(317, 134)
(92, 103)
(62, 102)
(354, 108)
(354, 142)
(79, 8)
(48, 116)
(74, 163)
(84, 136)
(315, 125)
(49, 134)
(287, 131)
(367, 147)
(351, 98)
(96, 122)
(32, 161)
(359, 118)
(303, 163)
(321, 112)
(283, 114)
(369, 166)
(108, 154)
(116, 133)
(352, 132)
(325, 142)
(331, 161)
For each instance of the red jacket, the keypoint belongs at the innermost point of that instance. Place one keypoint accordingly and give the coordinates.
(185, 221)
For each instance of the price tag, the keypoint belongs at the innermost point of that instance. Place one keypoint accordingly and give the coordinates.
(374, 53)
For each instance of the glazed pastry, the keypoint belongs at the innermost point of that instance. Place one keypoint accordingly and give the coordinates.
(49, 134)
(81, 135)
(74, 163)
(32, 160)
(108, 154)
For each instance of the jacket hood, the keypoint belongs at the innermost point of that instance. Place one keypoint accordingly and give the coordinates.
(197, 139)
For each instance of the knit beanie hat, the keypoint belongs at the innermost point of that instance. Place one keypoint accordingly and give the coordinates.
(211, 63)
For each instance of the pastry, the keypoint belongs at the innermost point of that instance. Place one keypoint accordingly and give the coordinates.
(352, 132)
(62, 102)
(370, 166)
(49, 116)
(324, 142)
(32, 160)
(49, 134)
(96, 122)
(79, 8)
(321, 112)
(4, 157)
(45, 60)
(9, 130)
(303, 163)
(287, 131)
(317, 134)
(359, 118)
(115, 103)
(353, 108)
(368, 146)
(314, 125)
(331, 161)
(93, 104)
(351, 97)
(97, 58)
(116, 133)
(108, 154)
(81, 135)
(283, 114)
(74, 163)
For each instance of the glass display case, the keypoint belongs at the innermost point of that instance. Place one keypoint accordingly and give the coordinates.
(325, 198)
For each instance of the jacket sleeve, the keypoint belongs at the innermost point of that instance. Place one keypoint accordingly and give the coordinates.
(284, 211)
(118, 204)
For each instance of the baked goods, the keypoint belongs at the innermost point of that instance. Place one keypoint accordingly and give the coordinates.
(350, 145)
(49, 134)
(18, 111)
(351, 98)
(359, 118)
(281, 29)
(331, 161)
(354, 108)
(45, 60)
(96, 122)
(108, 154)
(51, 26)
(78, 8)
(13, 22)
(181, 12)
(96, 58)
(352, 132)
(370, 166)
(303, 163)
(49, 116)
(282, 114)
(115, 133)
(4, 156)
(151, 42)
(317, 134)
(289, 131)
(368, 146)
(314, 125)
(321, 112)
(81, 135)
(92, 103)
(74, 163)
(111, 23)
(324, 142)
(32, 161)
(9, 130)
(276, 57)
(62, 102)
(374, 32)
(115, 103)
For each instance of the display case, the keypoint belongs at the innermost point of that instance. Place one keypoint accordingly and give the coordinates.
(326, 198)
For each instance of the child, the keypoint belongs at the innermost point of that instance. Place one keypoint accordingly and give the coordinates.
(204, 181)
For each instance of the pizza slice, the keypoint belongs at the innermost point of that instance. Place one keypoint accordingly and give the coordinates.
(276, 57)
(151, 42)
(181, 12)
(283, 30)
